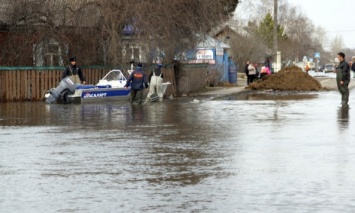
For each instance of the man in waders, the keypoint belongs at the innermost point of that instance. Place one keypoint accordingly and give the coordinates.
(138, 81)
(156, 84)
(343, 78)
(75, 73)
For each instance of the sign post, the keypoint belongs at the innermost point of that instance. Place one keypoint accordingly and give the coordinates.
(317, 57)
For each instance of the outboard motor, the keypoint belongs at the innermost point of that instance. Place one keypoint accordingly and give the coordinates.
(66, 85)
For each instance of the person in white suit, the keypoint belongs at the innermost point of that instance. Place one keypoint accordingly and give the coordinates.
(156, 83)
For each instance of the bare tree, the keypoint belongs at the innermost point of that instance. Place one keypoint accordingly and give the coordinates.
(170, 26)
(108, 31)
(303, 39)
(39, 31)
(337, 44)
(248, 47)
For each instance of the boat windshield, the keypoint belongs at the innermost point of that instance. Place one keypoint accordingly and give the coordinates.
(115, 75)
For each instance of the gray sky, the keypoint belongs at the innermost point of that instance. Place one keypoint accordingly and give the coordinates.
(337, 17)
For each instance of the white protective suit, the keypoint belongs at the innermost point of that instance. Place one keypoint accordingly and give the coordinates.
(156, 86)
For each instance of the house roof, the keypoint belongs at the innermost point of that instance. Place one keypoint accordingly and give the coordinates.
(231, 26)
(210, 42)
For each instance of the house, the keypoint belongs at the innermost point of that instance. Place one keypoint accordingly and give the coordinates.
(210, 51)
(48, 33)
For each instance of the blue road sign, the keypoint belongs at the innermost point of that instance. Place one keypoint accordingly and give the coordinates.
(317, 54)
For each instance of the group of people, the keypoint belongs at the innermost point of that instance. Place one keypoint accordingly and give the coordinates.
(137, 81)
(252, 72)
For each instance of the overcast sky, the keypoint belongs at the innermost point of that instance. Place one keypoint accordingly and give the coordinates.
(337, 17)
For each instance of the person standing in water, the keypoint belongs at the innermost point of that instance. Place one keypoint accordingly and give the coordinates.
(138, 82)
(343, 78)
(156, 83)
(75, 73)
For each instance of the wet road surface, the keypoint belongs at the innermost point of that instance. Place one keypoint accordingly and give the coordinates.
(248, 153)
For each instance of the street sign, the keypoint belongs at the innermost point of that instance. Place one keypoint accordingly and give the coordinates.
(317, 54)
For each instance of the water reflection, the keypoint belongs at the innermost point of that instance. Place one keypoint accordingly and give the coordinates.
(138, 115)
(343, 117)
(178, 156)
(275, 96)
(22, 114)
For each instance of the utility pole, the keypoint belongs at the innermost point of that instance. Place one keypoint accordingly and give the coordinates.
(277, 55)
(275, 26)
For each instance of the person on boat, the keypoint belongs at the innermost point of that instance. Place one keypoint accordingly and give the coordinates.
(75, 73)
(156, 83)
(138, 82)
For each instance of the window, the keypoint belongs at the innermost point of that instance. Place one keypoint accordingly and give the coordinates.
(48, 53)
(132, 53)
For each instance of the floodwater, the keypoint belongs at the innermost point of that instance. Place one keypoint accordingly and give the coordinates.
(249, 153)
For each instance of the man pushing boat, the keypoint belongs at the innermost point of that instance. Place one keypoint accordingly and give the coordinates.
(138, 82)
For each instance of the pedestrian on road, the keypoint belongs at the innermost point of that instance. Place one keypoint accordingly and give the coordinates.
(343, 78)
(257, 71)
(156, 83)
(264, 72)
(246, 70)
(353, 65)
(307, 68)
(252, 73)
(267, 62)
(138, 82)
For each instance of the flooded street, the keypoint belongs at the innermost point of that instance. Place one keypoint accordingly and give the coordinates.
(247, 153)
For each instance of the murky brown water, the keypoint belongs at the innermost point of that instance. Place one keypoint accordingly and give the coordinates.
(258, 153)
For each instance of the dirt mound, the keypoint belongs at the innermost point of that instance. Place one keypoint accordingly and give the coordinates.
(288, 79)
(225, 84)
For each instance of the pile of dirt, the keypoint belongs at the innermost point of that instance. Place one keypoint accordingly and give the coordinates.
(225, 84)
(288, 79)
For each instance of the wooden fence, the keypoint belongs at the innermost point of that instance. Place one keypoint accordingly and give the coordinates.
(31, 84)
(191, 78)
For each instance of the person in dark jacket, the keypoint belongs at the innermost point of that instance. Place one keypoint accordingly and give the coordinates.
(343, 78)
(246, 70)
(76, 75)
(353, 65)
(156, 83)
(268, 63)
(138, 82)
(74, 71)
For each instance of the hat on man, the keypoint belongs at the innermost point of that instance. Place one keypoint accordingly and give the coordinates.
(72, 59)
(140, 65)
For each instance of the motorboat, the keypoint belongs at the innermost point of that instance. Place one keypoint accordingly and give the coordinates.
(110, 88)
